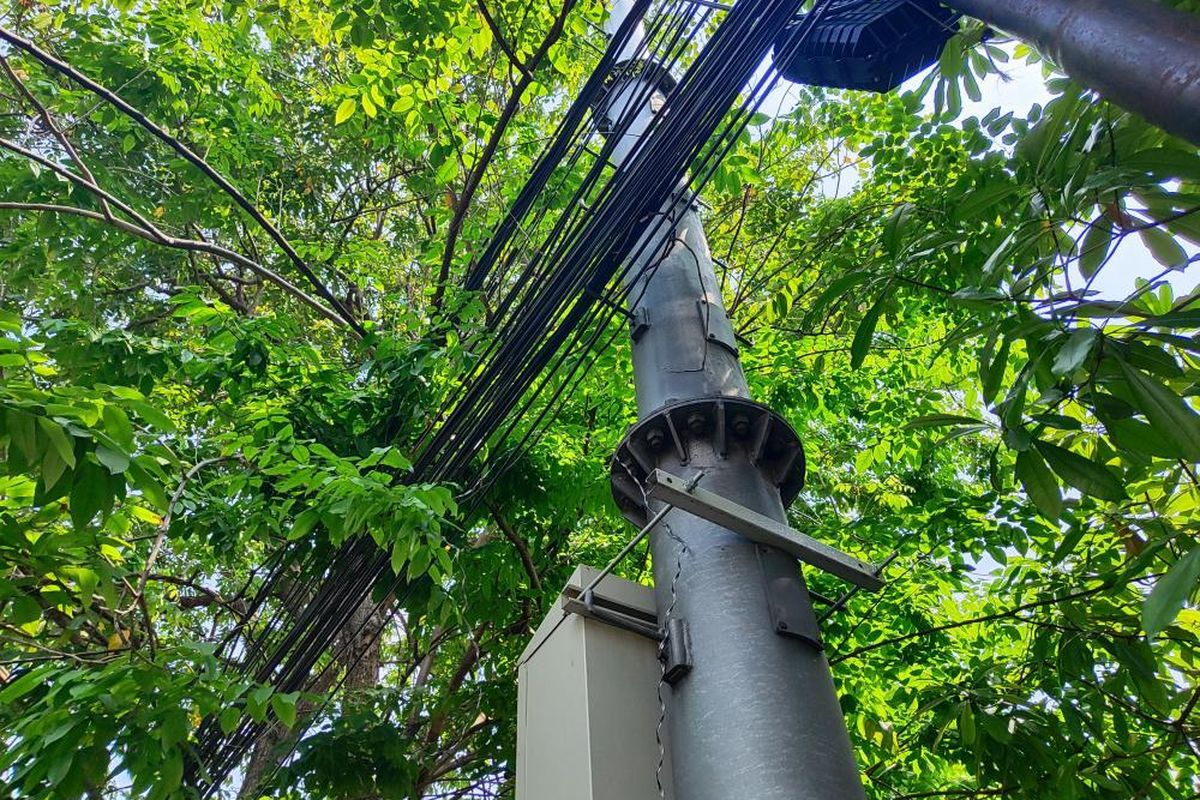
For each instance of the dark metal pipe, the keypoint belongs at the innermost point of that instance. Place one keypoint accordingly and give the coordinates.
(758, 716)
(1139, 54)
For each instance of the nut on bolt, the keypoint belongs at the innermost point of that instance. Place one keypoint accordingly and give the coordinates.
(656, 438)
(741, 425)
(697, 423)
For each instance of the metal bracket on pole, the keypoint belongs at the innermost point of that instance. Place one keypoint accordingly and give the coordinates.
(791, 612)
(675, 651)
(760, 529)
(674, 639)
(717, 329)
(639, 323)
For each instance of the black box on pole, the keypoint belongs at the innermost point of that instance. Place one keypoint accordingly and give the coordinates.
(873, 45)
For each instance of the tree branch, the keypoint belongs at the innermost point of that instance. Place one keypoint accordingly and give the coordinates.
(500, 40)
(520, 545)
(184, 244)
(963, 623)
(166, 521)
(65, 69)
(55, 131)
(489, 150)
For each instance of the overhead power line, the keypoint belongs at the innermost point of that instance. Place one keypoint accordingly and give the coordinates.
(554, 271)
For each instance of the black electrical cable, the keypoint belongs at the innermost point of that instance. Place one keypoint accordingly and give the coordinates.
(559, 299)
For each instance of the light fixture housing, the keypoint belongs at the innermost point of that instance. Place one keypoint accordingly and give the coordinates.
(871, 45)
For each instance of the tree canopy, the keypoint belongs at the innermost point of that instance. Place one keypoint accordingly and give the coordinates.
(233, 236)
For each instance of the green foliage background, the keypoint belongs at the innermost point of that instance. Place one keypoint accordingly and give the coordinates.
(176, 401)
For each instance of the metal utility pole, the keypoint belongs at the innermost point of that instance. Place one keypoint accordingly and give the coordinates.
(751, 709)
(1140, 54)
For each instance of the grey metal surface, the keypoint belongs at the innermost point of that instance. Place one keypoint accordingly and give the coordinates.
(790, 607)
(761, 529)
(1139, 54)
(757, 716)
(674, 359)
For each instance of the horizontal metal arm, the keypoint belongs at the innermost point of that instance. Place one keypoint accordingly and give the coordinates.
(761, 529)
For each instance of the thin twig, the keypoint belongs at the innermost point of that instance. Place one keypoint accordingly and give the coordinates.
(498, 35)
(55, 131)
(165, 523)
(195, 160)
(489, 150)
(185, 244)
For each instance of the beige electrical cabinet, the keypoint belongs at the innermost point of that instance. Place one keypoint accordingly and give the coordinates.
(587, 699)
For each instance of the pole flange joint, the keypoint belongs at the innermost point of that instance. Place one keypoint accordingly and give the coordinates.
(720, 423)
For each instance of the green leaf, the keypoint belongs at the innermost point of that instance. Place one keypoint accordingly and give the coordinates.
(866, 330)
(1137, 436)
(174, 727)
(966, 724)
(305, 521)
(284, 706)
(116, 461)
(893, 231)
(1084, 474)
(1171, 592)
(941, 421)
(983, 199)
(22, 610)
(59, 440)
(1165, 249)
(1074, 351)
(256, 702)
(53, 468)
(1094, 247)
(22, 427)
(836, 289)
(1165, 163)
(18, 688)
(60, 767)
(1039, 484)
(345, 111)
(91, 493)
(993, 375)
(399, 557)
(1166, 411)
(229, 719)
(1138, 660)
(172, 773)
(86, 581)
(117, 426)
(144, 482)
(1067, 545)
(152, 416)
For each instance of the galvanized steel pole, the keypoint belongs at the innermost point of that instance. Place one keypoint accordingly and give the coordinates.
(757, 716)
(1140, 54)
